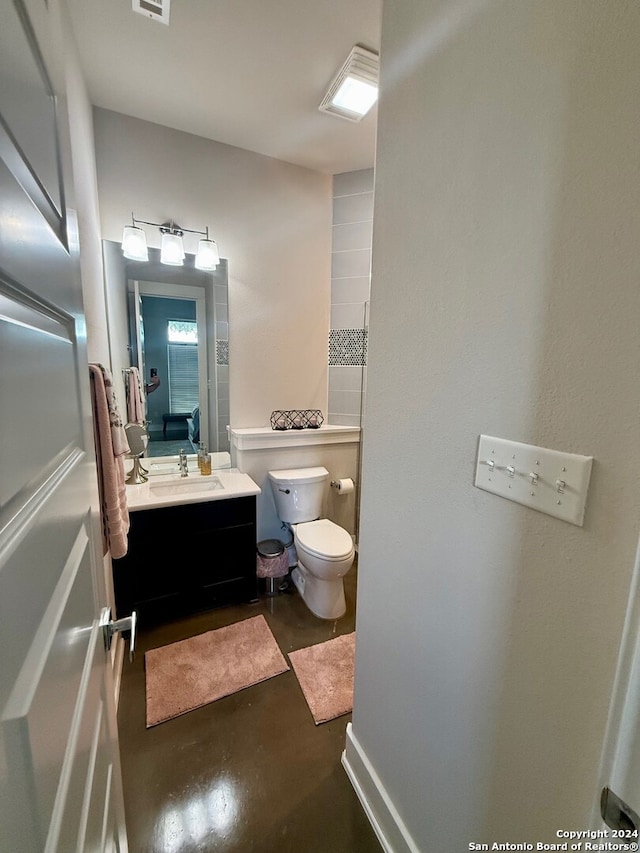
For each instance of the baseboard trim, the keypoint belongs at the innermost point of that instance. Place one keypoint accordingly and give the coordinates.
(387, 824)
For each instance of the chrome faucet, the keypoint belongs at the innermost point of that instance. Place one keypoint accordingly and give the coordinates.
(184, 469)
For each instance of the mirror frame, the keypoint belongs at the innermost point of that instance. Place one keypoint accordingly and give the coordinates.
(118, 272)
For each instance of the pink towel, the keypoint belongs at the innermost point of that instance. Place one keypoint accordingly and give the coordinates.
(111, 446)
(136, 406)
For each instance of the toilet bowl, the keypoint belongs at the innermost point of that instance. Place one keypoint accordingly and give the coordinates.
(325, 550)
(325, 554)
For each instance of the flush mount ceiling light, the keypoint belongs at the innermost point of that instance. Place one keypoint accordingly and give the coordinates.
(354, 89)
(134, 245)
(156, 10)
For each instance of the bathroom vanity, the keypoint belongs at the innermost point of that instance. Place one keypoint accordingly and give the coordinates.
(190, 549)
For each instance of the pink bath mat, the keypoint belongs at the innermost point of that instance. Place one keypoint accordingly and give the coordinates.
(325, 674)
(191, 673)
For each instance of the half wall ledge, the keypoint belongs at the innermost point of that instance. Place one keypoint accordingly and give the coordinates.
(265, 438)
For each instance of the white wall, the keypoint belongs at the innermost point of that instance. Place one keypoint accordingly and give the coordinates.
(505, 300)
(86, 198)
(272, 220)
(117, 324)
(85, 202)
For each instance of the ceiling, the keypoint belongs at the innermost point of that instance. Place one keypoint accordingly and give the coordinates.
(248, 73)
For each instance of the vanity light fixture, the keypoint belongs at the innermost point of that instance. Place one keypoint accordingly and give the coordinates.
(172, 250)
(134, 244)
(354, 89)
(207, 257)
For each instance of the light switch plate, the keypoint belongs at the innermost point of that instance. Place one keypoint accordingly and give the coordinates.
(547, 480)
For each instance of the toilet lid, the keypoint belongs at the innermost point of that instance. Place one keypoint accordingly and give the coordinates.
(323, 538)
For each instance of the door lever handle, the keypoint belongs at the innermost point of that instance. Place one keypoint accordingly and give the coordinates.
(617, 814)
(110, 626)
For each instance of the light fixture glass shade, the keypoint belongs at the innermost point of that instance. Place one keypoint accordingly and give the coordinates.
(134, 243)
(354, 89)
(357, 96)
(172, 251)
(207, 257)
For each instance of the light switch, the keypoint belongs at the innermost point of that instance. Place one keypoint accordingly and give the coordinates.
(547, 480)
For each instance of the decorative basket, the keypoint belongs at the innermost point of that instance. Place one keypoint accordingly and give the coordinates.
(280, 420)
(296, 419)
(312, 418)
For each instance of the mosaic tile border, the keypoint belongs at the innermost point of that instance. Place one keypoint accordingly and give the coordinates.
(222, 352)
(348, 347)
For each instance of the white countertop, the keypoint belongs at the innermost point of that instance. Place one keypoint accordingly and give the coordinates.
(234, 485)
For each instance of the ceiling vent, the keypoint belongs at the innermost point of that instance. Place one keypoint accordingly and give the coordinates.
(354, 89)
(157, 10)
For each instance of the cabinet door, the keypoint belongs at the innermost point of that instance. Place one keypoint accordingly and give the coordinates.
(227, 570)
(153, 576)
(188, 558)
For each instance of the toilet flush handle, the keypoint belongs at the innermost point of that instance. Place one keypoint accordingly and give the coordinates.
(286, 491)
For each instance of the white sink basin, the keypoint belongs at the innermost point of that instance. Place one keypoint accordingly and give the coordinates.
(186, 485)
(171, 467)
(163, 467)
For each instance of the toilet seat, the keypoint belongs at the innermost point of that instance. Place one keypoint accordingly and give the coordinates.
(324, 539)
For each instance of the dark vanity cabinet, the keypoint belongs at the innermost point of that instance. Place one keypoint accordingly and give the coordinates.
(188, 558)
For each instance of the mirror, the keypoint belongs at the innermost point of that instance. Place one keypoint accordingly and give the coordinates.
(169, 340)
(172, 323)
(137, 438)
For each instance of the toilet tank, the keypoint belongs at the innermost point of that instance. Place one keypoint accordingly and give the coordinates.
(298, 493)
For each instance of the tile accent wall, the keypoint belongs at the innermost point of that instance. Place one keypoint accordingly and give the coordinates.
(221, 309)
(350, 279)
(347, 347)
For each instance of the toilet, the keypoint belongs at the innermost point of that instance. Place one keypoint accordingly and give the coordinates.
(325, 550)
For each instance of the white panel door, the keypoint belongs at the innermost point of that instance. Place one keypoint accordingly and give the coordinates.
(60, 785)
(617, 799)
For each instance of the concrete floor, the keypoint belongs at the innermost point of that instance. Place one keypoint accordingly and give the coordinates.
(250, 772)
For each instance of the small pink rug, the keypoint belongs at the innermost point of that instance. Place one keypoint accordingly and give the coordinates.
(191, 673)
(325, 674)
